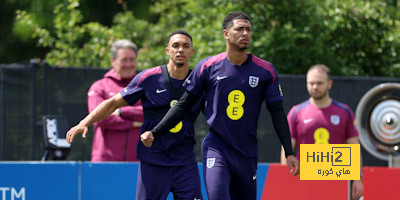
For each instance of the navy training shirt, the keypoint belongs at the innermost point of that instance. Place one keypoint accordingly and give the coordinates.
(174, 148)
(234, 95)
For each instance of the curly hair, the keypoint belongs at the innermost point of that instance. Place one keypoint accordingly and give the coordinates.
(228, 21)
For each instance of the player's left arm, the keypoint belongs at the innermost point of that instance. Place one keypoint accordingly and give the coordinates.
(283, 157)
(173, 116)
(281, 126)
(357, 187)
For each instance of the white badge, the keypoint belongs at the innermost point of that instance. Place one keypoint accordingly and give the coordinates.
(210, 162)
(253, 81)
(335, 119)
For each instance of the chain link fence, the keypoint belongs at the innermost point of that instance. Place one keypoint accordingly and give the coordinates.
(30, 91)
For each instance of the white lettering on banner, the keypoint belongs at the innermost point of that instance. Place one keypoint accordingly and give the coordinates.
(20, 195)
(52, 134)
(13, 194)
(3, 191)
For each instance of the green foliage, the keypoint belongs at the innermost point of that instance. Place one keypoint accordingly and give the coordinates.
(365, 38)
(205, 26)
(78, 44)
(352, 37)
(355, 37)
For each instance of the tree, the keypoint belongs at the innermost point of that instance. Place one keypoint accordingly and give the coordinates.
(355, 37)
(352, 37)
(77, 44)
(15, 47)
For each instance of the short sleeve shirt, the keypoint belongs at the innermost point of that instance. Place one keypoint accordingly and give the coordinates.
(312, 125)
(234, 95)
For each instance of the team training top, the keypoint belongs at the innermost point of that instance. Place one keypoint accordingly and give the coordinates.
(174, 148)
(312, 125)
(234, 95)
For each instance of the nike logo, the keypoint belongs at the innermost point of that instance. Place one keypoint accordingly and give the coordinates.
(254, 177)
(221, 77)
(158, 91)
(306, 121)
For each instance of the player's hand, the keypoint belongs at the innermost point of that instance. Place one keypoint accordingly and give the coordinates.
(293, 164)
(147, 138)
(357, 189)
(78, 129)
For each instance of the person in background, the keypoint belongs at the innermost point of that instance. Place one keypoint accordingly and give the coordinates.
(115, 138)
(322, 120)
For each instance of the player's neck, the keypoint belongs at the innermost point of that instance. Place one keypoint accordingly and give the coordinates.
(236, 57)
(178, 72)
(321, 103)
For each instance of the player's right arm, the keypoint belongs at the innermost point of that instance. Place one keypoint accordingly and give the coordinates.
(102, 111)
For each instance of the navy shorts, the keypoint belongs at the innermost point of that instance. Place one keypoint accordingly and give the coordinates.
(155, 182)
(229, 176)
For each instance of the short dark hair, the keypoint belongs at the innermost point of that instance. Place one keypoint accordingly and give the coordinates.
(321, 67)
(228, 21)
(179, 32)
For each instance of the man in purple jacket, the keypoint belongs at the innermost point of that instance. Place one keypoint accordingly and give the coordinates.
(115, 137)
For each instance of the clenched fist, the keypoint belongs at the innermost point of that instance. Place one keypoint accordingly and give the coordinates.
(147, 138)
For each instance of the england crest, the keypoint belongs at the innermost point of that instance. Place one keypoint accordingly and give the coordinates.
(253, 81)
(210, 162)
(335, 119)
